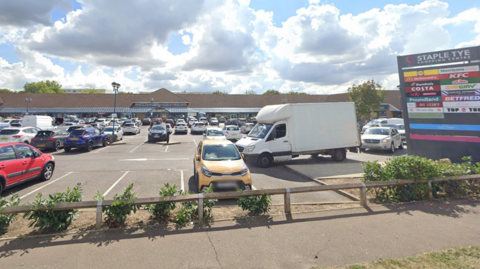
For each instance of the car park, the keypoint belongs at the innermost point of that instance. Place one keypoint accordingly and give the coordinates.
(118, 132)
(213, 121)
(222, 120)
(18, 134)
(241, 121)
(131, 128)
(86, 139)
(20, 163)
(218, 163)
(198, 127)
(232, 132)
(53, 140)
(214, 134)
(158, 133)
(247, 127)
(181, 128)
(382, 138)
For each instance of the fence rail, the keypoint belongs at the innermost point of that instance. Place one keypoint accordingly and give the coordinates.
(230, 195)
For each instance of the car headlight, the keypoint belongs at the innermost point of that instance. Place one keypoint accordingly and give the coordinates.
(244, 171)
(206, 172)
(249, 149)
(386, 140)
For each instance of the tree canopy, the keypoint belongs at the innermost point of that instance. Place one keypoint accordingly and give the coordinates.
(219, 92)
(2, 91)
(49, 86)
(271, 92)
(367, 97)
(92, 90)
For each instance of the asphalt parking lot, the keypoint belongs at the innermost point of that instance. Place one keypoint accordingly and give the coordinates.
(149, 166)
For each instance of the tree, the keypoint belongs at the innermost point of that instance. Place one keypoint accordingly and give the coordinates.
(49, 86)
(120, 92)
(250, 92)
(2, 91)
(296, 93)
(91, 90)
(219, 92)
(367, 97)
(271, 92)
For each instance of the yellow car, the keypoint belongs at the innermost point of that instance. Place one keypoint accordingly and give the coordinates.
(218, 163)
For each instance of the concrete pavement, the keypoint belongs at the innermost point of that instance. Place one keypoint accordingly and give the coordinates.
(328, 238)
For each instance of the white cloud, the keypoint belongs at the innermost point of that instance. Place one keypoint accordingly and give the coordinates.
(186, 39)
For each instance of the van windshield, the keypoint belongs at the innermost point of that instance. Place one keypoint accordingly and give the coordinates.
(260, 130)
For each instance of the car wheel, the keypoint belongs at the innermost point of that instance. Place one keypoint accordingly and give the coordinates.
(57, 146)
(26, 142)
(1, 188)
(47, 172)
(392, 148)
(339, 155)
(67, 149)
(121, 138)
(264, 160)
(401, 145)
(89, 146)
(104, 142)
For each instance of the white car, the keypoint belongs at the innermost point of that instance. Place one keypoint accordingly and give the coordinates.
(247, 127)
(204, 120)
(401, 130)
(118, 131)
(214, 134)
(6, 123)
(131, 127)
(213, 121)
(191, 121)
(180, 121)
(379, 122)
(198, 127)
(20, 134)
(384, 138)
(181, 127)
(232, 132)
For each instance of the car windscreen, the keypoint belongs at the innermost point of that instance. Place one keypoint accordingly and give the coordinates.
(233, 128)
(373, 122)
(129, 124)
(9, 132)
(220, 152)
(44, 134)
(214, 133)
(382, 131)
(108, 129)
(400, 127)
(199, 124)
(78, 132)
(158, 127)
(74, 128)
(260, 130)
(6, 121)
(390, 125)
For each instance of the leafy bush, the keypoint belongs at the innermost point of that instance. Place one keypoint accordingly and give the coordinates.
(11, 201)
(207, 205)
(122, 206)
(256, 205)
(54, 220)
(187, 213)
(163, 210)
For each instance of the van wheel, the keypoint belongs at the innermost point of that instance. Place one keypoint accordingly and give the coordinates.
(392, 148)
(264, 160)
(47, 172)
(339, 155)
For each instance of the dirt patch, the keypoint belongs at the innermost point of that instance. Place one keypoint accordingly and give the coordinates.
(87, 218)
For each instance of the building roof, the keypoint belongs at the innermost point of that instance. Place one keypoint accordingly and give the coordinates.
(246, 101)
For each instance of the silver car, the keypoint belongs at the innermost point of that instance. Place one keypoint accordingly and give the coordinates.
(383, 138)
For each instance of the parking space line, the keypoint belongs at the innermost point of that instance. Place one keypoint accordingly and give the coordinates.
(166, 149)
(136, 147)
(97, 151)
(195, 142)
(114, 184)
(51, 182)
(182, 184)
(253, 188)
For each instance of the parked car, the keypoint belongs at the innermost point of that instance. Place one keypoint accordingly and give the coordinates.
(65, 125)
(218, 163)
(79, 121)
(102, 121)
(49, 139)
(118, 132)
(232, 132)
(131, 128)
(169, 128)
(6, 123)
(171, 122)
(21, 163)
(401, 131)
(253, 120)
(181, 128)
(19, 135)
(180, 121)
(247, 127)
(213, 121)
(158, 133)
(222, 120)
(384, 138)
(378, 122)
(18, 123)
(214, 134)
(86, 139)
(98, 125)
(241, 121)
(232, 122)
(198, 127)
(191, 121)
(204, 120)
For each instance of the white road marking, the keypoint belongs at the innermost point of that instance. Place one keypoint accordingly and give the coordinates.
(253, 188)
(105, 194)
(136, 147)
(51, 182)
(97, 151)
(166, 149)
(144, 160)
(195, 142)
(182, 185)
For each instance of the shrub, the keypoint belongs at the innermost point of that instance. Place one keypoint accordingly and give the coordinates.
(11, 201)
(187, 213)
(207, 205)
(54, 220)
(122, 206)
(163, 210)
(256, 205)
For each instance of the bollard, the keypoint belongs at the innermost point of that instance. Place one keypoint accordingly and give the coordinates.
(363, 195)
(99, 214)
(200, 208)
(430, 190)
(287, 201)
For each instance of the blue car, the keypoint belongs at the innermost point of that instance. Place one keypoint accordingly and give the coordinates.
(86, 139)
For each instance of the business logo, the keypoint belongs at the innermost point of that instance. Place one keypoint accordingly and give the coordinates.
(459, 69)
(443, 57)
(460, 81)
(429, 104)
(424, 83)
(410, 60)
(424, 99)
(420, 94)
(422, 78)
(460, 75)
(461, 92)
(462, 109)
(461, 98)
(423, 89)
(425, 110)
(460, 87)
(419, 73)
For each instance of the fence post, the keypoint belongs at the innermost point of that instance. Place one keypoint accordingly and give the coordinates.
(200, 208)
(287, 201)
(99, 214)
(430, 190)
(363, 195)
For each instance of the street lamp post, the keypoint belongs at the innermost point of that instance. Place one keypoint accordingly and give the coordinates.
(115, 90)
(27, 101)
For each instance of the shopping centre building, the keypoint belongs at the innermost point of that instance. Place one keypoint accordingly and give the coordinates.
(166, 104)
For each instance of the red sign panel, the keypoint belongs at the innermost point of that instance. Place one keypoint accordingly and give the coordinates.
(433, 104)
(424, 88)
(460, 75)
(422, 78)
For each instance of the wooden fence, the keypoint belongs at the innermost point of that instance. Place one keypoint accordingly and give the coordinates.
(231, 195)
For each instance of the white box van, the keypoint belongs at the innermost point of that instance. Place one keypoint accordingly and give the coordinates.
(286, 131)
(378, 122)
(43, 122)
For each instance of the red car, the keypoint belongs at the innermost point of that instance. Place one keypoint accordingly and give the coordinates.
(21, 162)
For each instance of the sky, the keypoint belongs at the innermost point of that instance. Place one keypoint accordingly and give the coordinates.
(310, 46)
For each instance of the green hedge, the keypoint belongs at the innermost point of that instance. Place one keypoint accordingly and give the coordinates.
(420, 169)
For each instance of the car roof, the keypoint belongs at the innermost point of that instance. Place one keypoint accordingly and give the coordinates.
(216, 142)
(215, 128)
(380, 128)
(11, 144)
